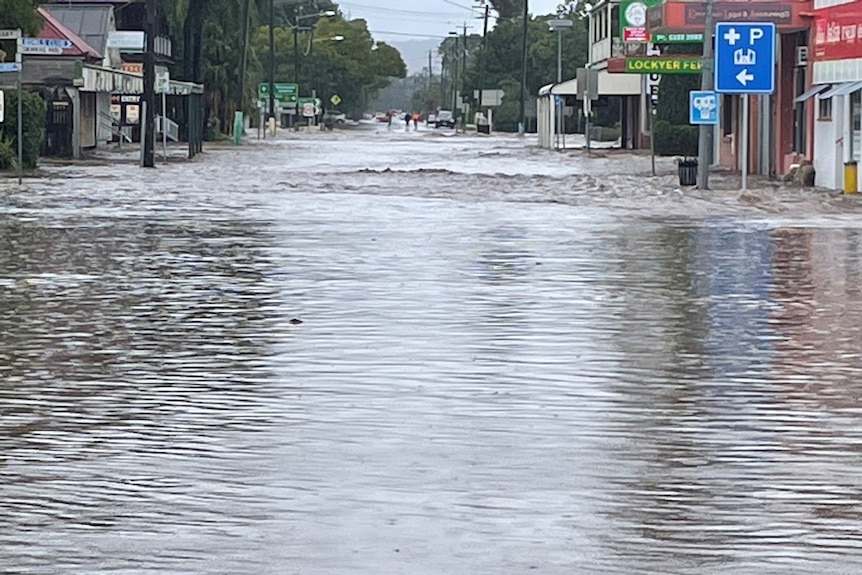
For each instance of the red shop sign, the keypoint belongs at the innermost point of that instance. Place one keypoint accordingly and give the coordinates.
(838, 32)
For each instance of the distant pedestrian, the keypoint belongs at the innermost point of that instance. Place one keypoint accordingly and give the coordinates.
(407, 117)
(416, 121)
(388, 120)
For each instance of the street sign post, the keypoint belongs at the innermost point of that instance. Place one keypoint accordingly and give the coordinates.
(9, 67)
(43, 45)
(10, 34)
(744, 65)
(702, 108)
(745, 58)
(335, 99)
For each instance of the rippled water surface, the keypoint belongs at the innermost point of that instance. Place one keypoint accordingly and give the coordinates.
(394, 353)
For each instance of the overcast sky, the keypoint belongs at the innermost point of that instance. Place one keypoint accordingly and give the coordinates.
(405, 19)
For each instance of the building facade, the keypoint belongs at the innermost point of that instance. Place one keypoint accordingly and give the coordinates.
(837, 88)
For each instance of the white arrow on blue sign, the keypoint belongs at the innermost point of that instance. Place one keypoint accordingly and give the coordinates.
(49, 42)
(745, 58)
(702, 107)
(8, 67)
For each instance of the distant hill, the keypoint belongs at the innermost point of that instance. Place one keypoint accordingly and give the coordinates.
(415, 54)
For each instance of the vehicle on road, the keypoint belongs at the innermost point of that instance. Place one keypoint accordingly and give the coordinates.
(431, 119)
(334, 117)
(444, 119)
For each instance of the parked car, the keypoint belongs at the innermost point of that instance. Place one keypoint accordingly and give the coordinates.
(334, 117)
(444, 119)
(431, 120)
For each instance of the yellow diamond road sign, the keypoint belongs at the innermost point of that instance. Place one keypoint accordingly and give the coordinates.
(336, 99)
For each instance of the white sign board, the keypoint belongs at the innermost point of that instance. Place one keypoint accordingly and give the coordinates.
(308, 110)
(163, 83)
(10, 34)
(490, 97)
(126, 41)
(2, 106)
(24, 49)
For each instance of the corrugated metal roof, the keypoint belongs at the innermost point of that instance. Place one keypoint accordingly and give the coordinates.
(92, 23)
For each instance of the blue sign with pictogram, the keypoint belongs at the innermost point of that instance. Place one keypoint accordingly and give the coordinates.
(702, 107)
(745, 58)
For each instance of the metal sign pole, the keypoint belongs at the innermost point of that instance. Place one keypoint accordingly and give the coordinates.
(744, 148)
(165, 124)
(20, 60)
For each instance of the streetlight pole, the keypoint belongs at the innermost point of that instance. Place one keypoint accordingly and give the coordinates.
(704, 139)
(484, 57)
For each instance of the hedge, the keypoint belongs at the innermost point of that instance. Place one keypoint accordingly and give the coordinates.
(33, 112)
(675, 140)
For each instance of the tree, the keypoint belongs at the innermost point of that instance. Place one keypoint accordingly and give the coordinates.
(16, 14)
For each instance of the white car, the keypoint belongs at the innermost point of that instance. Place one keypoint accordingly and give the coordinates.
(431, 119)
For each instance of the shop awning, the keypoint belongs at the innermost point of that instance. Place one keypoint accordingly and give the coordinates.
(811, 93)
(842, 89)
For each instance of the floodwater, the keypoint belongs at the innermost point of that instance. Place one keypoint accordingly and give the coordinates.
(391, 353)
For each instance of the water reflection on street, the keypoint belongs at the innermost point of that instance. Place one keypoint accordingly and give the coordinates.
(268, 374)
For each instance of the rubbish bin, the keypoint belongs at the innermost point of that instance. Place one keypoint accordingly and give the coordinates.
(687, 172)
(483, 128)
(851, 176)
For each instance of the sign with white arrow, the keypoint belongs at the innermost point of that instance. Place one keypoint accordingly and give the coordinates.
(745, 58)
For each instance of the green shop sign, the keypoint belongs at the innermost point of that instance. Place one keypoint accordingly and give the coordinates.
(663, 65)
(678, 38)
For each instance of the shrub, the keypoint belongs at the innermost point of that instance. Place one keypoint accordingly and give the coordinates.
(8, 154)
(33, 114)
(675, 140)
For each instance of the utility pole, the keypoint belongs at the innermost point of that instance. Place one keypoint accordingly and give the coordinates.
(521, 114)
(272, 60)
(430, 73)
(148, 145)
(704, 140)
(464, 78)
(482, 63)
(240, 101)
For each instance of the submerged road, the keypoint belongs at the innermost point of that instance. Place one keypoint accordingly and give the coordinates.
(414, 353)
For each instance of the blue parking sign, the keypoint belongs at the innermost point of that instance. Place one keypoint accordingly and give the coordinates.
(745, 58)
(702, 107)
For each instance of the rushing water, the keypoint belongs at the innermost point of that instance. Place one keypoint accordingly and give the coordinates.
(236, 367)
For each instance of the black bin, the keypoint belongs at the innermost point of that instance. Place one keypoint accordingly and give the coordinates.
(483, 128)
(687, 172)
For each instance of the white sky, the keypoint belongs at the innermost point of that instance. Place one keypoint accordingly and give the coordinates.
(405, 19)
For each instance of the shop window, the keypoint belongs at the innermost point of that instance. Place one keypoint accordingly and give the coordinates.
(824, 109)
(615, 21)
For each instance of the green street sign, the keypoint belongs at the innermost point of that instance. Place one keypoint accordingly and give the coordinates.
(663, 65)
(284, 93)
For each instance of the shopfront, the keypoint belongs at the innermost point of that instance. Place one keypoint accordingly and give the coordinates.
(837, 76)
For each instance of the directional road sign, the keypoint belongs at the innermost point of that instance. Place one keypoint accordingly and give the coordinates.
(52, 42)
(9, 67)
(284, 93)
(10, 34)
(745, 58)
(702, 107)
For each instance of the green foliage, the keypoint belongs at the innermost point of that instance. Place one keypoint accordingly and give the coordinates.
(502, 53)
(674, 88)
(675, 140)
(20, 14)
(33, 114)
(356, 68)
(8, 154)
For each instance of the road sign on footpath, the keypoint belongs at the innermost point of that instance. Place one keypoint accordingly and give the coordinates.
(335, 99)
(9, 67)
(284, 93)
(702, 107)
(745, 58)
(10, 34)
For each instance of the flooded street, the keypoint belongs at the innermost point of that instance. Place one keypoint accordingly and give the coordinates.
(412, 353)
